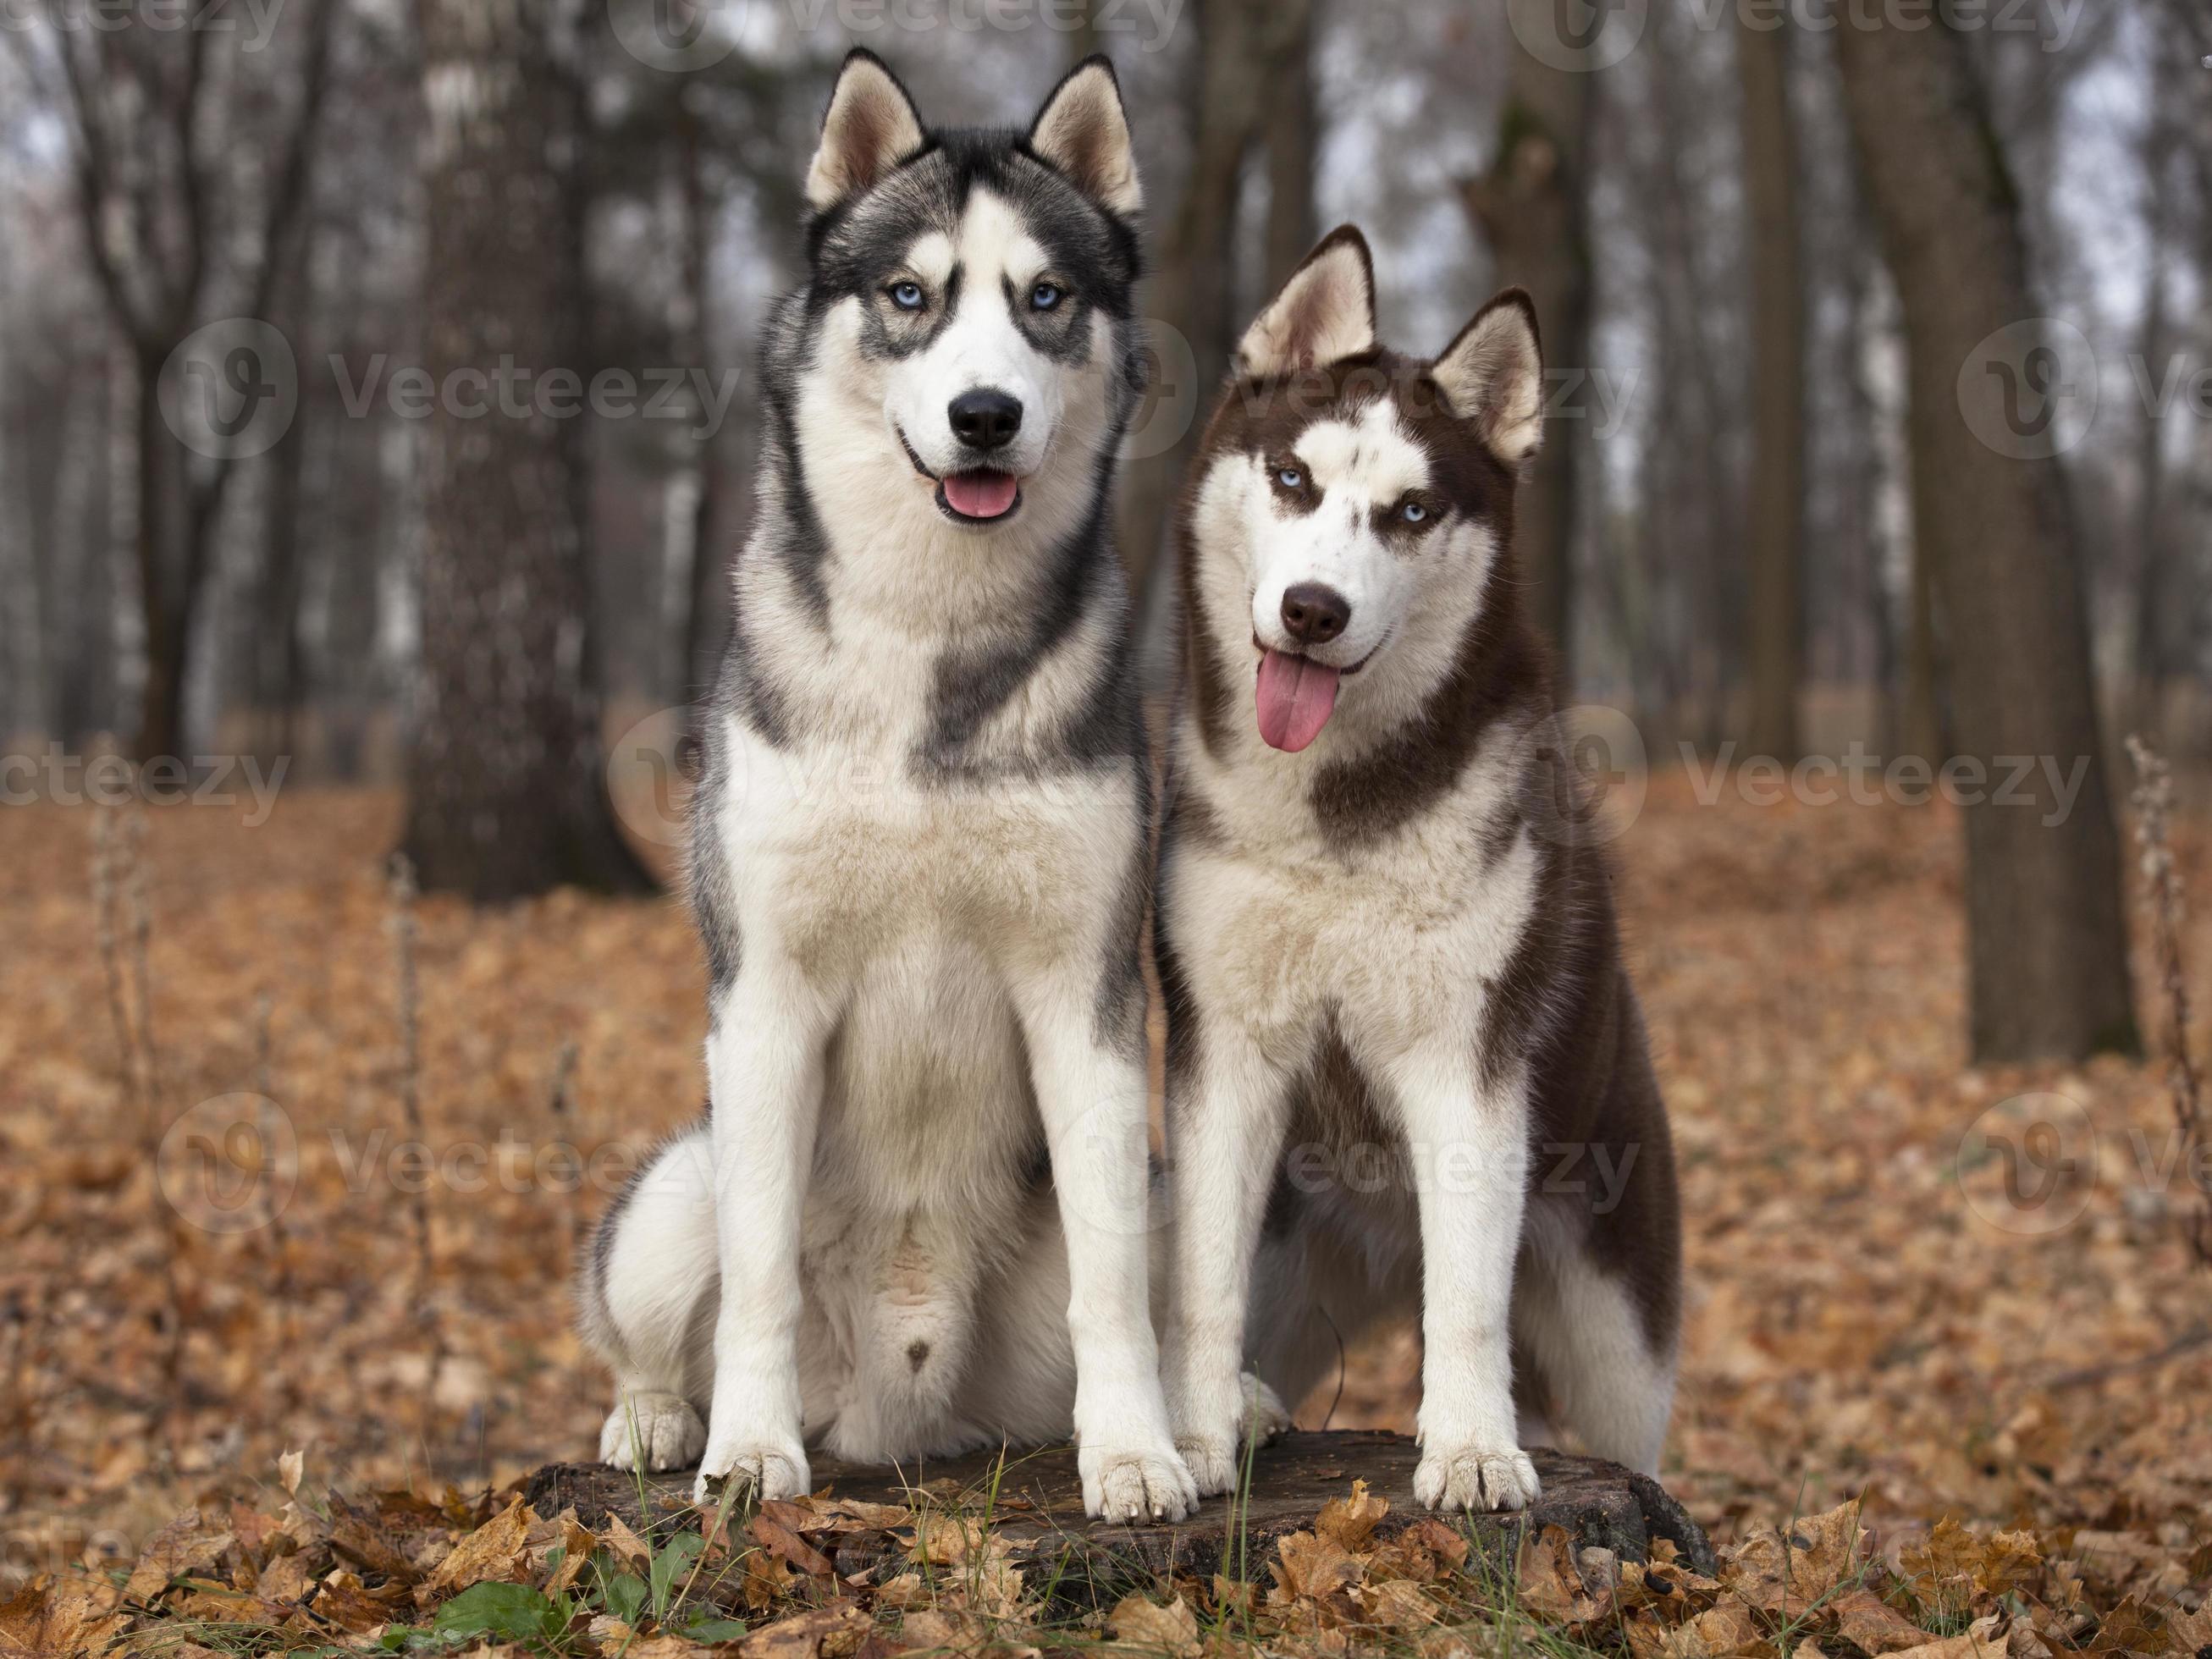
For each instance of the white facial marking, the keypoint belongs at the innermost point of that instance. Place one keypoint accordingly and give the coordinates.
(1356, 466)
(981, 349)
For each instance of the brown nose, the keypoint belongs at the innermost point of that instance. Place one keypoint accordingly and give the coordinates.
(1314, 615)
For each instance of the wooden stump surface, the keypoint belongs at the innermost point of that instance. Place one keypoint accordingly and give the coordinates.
(1037, 1509)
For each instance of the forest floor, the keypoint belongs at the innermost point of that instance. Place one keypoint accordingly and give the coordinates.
(1874, 1318)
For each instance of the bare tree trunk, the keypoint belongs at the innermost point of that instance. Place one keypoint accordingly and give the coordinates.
(506, 789)
(2050, 973)
(2161, 145)
(1922, 723)
(168, 632)
(1242, 43)
(1086, 37)
(1292, 136)
(708, 570)
(1532, 208)
(1774, 514)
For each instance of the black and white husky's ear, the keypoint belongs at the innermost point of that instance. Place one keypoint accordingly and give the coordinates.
(1083, 132)
(1493, 376)
(870, 129)
(1325, 313)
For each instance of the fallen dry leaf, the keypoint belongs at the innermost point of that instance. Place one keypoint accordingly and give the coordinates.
(1141, 1622)
(1351, 1521)
(494, 1553)
(832, 1633)
(1984, 1639)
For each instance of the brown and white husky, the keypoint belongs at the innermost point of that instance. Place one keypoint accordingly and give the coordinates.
(1406, 1068)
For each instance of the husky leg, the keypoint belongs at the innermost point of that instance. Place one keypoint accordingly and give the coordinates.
(1092, 1096)
(1225, 1140)
(1468, 1138)
(646, 1282)
(1613, 1388)
(765, 1055)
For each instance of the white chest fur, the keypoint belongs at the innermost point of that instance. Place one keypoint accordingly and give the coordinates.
(1399, 940)
(843, 853)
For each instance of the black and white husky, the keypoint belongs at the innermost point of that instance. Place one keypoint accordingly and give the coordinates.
(1397, 1010)
(915, 1221)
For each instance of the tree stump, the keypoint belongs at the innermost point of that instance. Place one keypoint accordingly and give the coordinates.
(1036, 1508)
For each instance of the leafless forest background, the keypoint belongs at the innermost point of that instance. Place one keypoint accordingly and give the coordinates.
(276, 179)
(1882, 400)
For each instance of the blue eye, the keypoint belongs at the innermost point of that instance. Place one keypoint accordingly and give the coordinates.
(1412, 513)
(1290, 478)
(1044, 296)
(907, 296)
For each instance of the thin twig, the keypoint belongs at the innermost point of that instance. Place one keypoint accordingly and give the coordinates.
(2188, 1342)
(105, 937)
(142, 938)
(2164, 898)
(280, 1266)
(402, 892)
(119, 882)
(561, 1106)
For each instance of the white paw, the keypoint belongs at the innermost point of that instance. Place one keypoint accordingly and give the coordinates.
(658, 1431)
(1215, 1458)
(1474, 1477)
(1211, 1461)
(761, 1471)
(1136, 1486)
(1265, 1415)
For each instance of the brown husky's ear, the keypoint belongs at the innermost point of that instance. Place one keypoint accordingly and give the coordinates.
(1083, 132)
(870, 129)
(1493, 376)
(1325, 313)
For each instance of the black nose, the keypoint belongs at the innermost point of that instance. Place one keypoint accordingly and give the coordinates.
(985, 419)
(1314, 614)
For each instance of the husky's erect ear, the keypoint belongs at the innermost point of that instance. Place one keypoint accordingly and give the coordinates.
(1325, 313)
(870, 129)
(1083, 132)
(1493, 376)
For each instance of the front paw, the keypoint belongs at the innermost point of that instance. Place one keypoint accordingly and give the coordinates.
(652, 1431)
(1469, 1475)
(749, 1468)
(1211, 1461)
(1213, 1453)
(1132, 1485)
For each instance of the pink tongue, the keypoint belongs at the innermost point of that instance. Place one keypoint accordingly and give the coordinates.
(1297, 697)
(980, 495)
